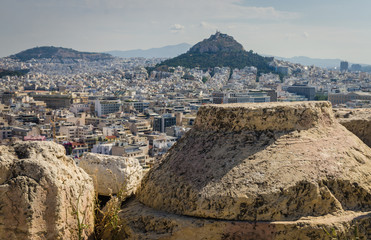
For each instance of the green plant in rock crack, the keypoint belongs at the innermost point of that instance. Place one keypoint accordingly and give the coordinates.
(108, 217)
(80, 216)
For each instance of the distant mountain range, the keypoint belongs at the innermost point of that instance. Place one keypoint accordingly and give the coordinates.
(318, 62)
(219, 50)
(58, 53)
(306, 61)
(170, 51)
(162, 52)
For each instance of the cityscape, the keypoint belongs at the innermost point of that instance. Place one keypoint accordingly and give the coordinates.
(223, 119)
(118, 106)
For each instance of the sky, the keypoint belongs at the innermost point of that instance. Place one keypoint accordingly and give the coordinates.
(286, 28)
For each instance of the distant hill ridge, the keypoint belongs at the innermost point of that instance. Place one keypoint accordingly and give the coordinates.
(58, 52)
(219, 50)
(162, 52)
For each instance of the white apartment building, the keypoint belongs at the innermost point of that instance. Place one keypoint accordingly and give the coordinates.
(72, 132)
(105, 148)
(104, 107)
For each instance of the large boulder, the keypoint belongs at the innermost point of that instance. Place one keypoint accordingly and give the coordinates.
(263, 162)
(257, 171)
(43, 194)
(141, 222)
(358, 121)
(112, 174)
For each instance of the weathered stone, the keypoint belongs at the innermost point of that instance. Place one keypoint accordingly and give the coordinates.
(141, 222)
(263, 162)
(112, 173)
(358, 121)
(41, 191)
(257, 171)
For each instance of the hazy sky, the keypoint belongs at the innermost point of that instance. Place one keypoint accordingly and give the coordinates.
(286, 28)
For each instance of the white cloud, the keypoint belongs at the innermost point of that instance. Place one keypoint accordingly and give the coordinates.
(128, 24)
(175, 28)
(297, 36)
(208, 26)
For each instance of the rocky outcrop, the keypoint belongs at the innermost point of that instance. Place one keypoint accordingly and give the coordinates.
(219, 50)
(218, 42)
(358, 121)
(263, 162)
(263, 170)
(43, 194)
(142, 222)
(112, 173)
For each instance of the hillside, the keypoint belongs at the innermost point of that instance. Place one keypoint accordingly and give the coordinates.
(60, 53)
(220, 50)
(4, 72)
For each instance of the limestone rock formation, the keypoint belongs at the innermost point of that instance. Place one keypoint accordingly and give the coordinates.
(261, 163)
(266, 169)
(141, 222)
(219, 50)
(218, 42)
(112, 173)
(41, 191)
(358, 121)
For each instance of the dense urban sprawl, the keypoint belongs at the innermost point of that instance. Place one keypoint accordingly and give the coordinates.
(117, 107)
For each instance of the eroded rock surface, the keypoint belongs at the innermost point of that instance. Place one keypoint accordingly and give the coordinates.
(263, 162)
(358, 121)
(112, 173)
(41, 191)
(257, 171)
(141, 222)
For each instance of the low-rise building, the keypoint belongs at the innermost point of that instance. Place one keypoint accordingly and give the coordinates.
(247, 97)
(103, 148)
(342, 98)
(304, 90)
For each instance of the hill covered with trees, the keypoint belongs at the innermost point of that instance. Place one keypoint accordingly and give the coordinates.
(59, 53)
(220, 50)
(4, 72)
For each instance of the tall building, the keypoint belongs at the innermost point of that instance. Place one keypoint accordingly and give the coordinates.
(344, 66)
(161, 123)
(104, 107)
